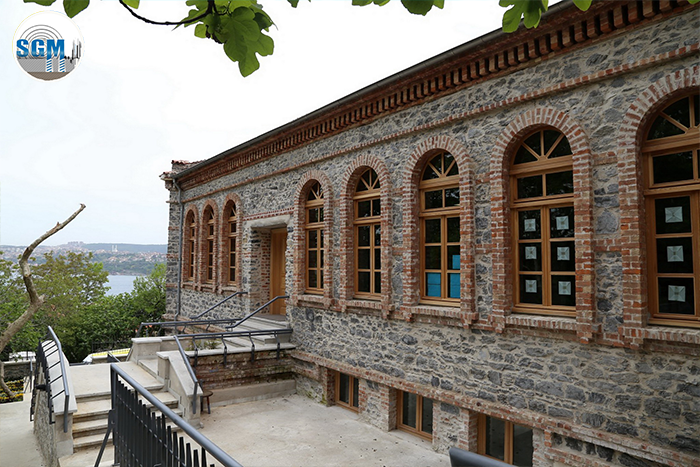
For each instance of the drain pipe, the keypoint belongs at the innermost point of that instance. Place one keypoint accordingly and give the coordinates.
(179, 256)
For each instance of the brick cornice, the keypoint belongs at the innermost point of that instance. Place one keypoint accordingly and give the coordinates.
(564, 30)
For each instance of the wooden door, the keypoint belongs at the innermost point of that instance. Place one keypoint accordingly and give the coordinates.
(278, 248)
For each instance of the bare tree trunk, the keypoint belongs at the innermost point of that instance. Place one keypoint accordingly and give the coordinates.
(35, 300)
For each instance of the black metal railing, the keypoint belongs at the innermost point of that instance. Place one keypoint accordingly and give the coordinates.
(44, 350)
(213, 336)
(262, 307)
(240, 292)
(207, 323)
(143, 438)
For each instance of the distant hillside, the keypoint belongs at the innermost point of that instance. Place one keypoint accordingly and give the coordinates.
(117, 258)
(126, 247)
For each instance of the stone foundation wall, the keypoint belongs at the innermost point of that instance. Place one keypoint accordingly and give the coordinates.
(239, 370)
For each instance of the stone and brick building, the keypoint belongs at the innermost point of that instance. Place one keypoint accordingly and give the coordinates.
(496, 249)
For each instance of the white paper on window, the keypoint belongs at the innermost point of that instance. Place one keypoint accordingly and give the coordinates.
(562, 222)
(530, 286)
(530, 252)
(674, 254)
(563, 253)
(674, 214)
(530, 225)
(564, 288)
(676, 293)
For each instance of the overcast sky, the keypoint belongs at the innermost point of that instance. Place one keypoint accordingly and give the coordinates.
(145, 95)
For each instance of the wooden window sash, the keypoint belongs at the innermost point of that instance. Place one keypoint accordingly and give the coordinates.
(444, 270)
(541, 167)
(210, 247)
(686, 142)
(351, 393)
(508, 441)
(419, 417)
(232, 245)
(192, 243)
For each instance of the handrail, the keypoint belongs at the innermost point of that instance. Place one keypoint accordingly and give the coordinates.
(240, 292)
(211, 448)
(196, 381)
(177, 324)
(262, 307)
(42, 359)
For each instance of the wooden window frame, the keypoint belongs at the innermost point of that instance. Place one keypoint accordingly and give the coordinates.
(231, 244)
(315, 200)
(544, 203)
(419, 415)
(210, 226)
(686, 142)
(442, 183)
(508, 446)
(191, 242)
(353, 398)
(371, 194)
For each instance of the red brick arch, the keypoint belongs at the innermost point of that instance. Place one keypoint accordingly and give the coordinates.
(202, 247)
(629, 166)
(223, 241)
(350, 179)
(301, 192)
(411, 256)
(501, 255)
(191, 211)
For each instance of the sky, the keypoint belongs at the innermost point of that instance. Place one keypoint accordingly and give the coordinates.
(145, 95)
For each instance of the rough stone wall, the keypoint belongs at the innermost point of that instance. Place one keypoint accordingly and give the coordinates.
(641, 394)
(623, 402)
(44, 430)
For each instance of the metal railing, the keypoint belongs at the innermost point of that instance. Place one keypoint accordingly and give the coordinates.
(42, 354)
(240, 292)
(195, 321)
(141, 437)
(221, 335)
(262, 307)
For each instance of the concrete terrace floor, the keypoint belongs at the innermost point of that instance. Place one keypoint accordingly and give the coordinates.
(286, 431)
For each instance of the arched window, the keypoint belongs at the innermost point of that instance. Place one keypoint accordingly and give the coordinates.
(190, 246)
(232, 242)
(314, 239)
(209, 243)
(440, 235)
(368, 252)
(672, 191)
(542, 205)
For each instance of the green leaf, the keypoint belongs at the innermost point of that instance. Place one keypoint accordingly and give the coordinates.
(73, 7)
(418, 7)
(41, 2)
(294, 3)
(530, 10)
(361, 2)
(583, 4)
(693, 2)
(200, 31)
(133, 3)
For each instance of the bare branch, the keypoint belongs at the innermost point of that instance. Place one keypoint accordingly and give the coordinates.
(210, 9)
(35, 301)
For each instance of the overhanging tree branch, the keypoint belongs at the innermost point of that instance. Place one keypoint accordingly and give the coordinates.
(35, 300)
(210, 9)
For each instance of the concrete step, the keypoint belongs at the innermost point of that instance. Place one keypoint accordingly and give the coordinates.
(95, 440)
(87, 428)
(150, 365)
(97, 409)
(240, 345)
(87, 457)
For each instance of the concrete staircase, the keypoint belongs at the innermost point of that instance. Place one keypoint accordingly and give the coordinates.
(154, 363)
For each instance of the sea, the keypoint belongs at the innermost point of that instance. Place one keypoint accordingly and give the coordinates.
(120, 284)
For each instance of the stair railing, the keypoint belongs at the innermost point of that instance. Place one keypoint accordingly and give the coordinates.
(190, 370)
(142, 438)
(240, 292)
(262, 307)
(221, 335)
(42, 355)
